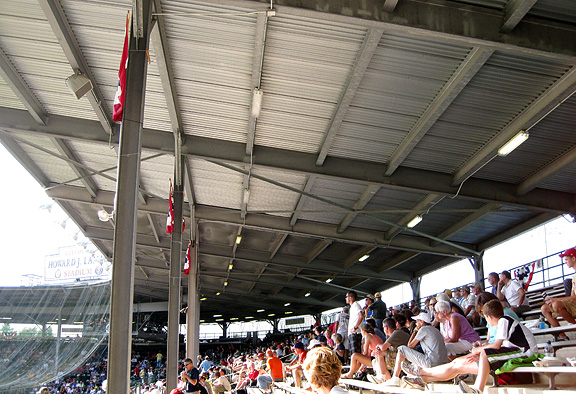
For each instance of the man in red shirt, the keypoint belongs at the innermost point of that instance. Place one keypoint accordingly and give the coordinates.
(275, 371)
(296, 364)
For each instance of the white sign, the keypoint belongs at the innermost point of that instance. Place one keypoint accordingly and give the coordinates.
(75, 263)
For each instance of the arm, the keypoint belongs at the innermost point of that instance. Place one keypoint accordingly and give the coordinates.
(499, 293)
(494, 345)
(366, 345)
(522, 293)
(412, 342)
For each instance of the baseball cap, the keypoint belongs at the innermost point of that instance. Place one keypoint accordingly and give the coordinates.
(299, 345)
(569, 252)
(313, 344)
(425, 317)
(260, 355)
(378, 294)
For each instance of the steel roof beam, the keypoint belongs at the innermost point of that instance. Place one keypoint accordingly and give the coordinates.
(514, 11)
(562, 89)
(364, 199)
(15, 81)
(302, 199)
(397, 260)
(63, 31)
(546, 172)
(345, 170)
(451, 89)
(365, 54)
(478, 214)
(86, 179)
(389, 5)
(428, 201)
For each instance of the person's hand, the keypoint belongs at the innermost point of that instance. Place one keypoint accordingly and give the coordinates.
(472, 358)
(477, 343)
(476, 350)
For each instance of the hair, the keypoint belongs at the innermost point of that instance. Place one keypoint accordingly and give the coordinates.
(400, 319)
(390, 323)
(353, 294)
(44, 390)
(407, 313)
(507, 274)
(188, 360)
(337, 337)
(443, 306)
(367, 327)
(322, 367)
(493, 309)
(205, 375)
(442, 297)
(483, 298)
(477, 285)
(466, 289)
(372, 322)
(493, 274)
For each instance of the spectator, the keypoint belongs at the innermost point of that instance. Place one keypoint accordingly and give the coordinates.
(432, 344)
(275, 372)
(563, 306)
(205, 383)
(468, 304)
(457, 332)
(222, 384)
(378, 310)
(206, 364)
(339, 348)
(341, 326)
(367, 303)
(356, 318)
(296, 364)
(322, 369)
(191, 376)
(370, 340)
(493, 279)
(385, 354)
(513, 292)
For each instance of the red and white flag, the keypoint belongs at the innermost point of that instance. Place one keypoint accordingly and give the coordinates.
(187, 260)
(121, 91)
(170, 218)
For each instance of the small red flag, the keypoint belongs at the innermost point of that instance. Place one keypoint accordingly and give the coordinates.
(170, 218)
(187, 260)
(121, 90)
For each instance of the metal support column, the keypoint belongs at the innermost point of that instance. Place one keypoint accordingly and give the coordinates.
(415, 285)
(120, 339)
(477, 263)
(175, 278)
(193, 315)
(275, 325)
(224, 326)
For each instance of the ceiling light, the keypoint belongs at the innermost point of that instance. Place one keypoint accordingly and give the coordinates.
(218, 293)
(417, 219)
(219, 320)
(260, 310)
(256, 102)
(328, 280)
(225, 284)
(514, 143)
(78, 322)
(79, 84)
(50, 322)
(271, 314)
(233, 318)
(203, 299)
(217, 315)
(287, 304)
(202, 321)
(307, 295)
(238, 239)
(105, 216)
(288, 312)
(364, 257)
(231, 266)
(5, 318)
(249, 317)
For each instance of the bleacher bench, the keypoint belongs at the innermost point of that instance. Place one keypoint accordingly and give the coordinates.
(360, 384)
(551, 372)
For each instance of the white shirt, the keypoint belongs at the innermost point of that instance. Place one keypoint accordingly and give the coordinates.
(510, 291)
(354, 321)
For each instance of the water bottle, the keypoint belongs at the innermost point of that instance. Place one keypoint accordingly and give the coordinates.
(549, 350)
(542, 323)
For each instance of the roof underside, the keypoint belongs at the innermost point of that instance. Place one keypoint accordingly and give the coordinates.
(371, 115)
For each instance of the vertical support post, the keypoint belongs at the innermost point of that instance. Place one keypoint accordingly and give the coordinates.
(415, 285)
(120, 339)
(477, 263)
(275, 325)
(175, 279)
(224, 326)
(193, 314)
(58, 340)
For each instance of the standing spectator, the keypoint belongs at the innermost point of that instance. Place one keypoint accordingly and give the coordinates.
(356, 318)
(341, 326)
(378, 310)
(159, 360)
(191, 376)
(513, 292)
(563, 306)
(206, 364)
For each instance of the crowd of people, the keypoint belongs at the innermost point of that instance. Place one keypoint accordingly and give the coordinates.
(437, 342)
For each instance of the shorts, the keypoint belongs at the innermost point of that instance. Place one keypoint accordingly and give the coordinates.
(570, 306)
(499, 357)
(460, 347)
(355, 342)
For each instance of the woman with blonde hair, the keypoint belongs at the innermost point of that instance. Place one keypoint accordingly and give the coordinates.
(322, 369)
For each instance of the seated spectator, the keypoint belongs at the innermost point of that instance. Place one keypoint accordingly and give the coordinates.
(322, 369)
(328, 335)
(563, 306)
(221, 384)
(456, 308)
(513, 340)
(364, 359)
(339, 348)
(385, 354)
(368, 302)
(377, 331)
(274, 371)
(205, 382)
(318, 335)
(458, 334)
(296, 365)
(513, 292)
(468, 304)
(432, 344)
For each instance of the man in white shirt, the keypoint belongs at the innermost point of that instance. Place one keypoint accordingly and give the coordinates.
(356, 318)
(513, 292)
(222, 384)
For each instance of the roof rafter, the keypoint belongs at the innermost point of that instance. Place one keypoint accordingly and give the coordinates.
(514, 11)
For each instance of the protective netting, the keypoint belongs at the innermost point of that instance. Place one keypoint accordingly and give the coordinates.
(48, 331)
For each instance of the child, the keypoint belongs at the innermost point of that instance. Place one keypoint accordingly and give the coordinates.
(339, 348)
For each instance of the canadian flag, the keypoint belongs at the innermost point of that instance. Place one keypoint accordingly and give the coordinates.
(121, 90)
(187, 260)
(170, 218)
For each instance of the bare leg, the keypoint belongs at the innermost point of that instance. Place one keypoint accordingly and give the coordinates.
(398, 366)
(547, 312)
(297, 376)
(356, 362)
(448, 371)
(561, 310)
(483, 372)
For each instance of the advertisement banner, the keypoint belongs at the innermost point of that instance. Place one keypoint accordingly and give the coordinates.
(75, 263)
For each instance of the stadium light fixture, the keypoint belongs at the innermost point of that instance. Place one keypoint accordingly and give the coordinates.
(514, 143)
(412, 223)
